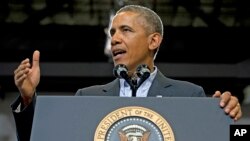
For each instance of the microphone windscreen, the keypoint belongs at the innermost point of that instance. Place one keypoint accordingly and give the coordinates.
(120, 71)
(143, 71)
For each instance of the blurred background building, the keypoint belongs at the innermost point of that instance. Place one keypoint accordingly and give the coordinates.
(206, 42)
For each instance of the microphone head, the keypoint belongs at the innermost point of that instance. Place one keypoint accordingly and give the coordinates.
(120, 71)
(143, 71)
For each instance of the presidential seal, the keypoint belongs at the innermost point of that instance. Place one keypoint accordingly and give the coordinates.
(133, 123)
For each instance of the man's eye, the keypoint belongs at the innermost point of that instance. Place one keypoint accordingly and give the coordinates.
(126, 30)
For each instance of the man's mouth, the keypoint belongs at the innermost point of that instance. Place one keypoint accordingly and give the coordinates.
(118, 52)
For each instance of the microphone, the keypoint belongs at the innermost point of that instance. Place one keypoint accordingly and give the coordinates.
(143, 72)
(121, 71)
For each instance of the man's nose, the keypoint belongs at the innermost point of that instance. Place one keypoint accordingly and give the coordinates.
(115, 39)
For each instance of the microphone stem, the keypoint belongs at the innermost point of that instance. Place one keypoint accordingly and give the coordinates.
(133, 92)
(134, 86)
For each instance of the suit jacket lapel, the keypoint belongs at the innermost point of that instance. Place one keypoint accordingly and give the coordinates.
(159, 86)
(112, 88)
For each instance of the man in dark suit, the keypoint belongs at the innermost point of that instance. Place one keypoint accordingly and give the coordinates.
(136, 34)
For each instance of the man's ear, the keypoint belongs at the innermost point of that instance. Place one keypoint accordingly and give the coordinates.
(154, 41)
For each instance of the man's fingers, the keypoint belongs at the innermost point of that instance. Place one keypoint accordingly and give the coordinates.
(225, 98)
(236, 112)
(217, 94)
(231, 104)
(21, 72)
(239, 113)
(36, 58)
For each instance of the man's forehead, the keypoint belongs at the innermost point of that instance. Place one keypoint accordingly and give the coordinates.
(124, 17)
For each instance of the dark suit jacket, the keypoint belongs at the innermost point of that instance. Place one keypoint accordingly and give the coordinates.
(161, 85)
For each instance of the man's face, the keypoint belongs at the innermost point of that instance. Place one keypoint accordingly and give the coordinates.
(129, 41)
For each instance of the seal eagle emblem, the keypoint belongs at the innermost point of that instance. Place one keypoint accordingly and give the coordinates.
(134, 133)
(133, 123)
